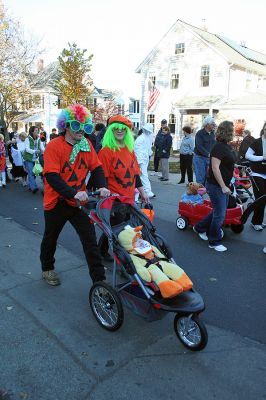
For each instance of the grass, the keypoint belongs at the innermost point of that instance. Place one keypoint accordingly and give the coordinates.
(174, 166)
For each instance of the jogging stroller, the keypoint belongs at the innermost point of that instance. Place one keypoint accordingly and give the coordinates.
(143, 298)
(242, 182)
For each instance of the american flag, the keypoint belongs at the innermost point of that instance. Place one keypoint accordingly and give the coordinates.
(154, 93)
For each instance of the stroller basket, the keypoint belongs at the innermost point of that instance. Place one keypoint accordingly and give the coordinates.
(133, 298)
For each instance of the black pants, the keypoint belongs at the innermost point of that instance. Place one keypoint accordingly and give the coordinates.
(55, 220)
(258, 191)
(186, 167)
(156, 161)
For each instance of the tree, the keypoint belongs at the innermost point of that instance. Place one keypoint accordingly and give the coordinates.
(102, 112)
(74, 84)
(17, 55)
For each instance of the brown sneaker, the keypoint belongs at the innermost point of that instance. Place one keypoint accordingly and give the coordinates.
(51, 277)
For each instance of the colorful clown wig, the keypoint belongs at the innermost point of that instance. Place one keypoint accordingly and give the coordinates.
(109, 139)
(74, 112)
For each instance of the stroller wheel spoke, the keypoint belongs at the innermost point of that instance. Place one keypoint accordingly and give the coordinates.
(106, 306)
(191, 332)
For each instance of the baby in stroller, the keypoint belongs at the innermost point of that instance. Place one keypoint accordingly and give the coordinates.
(151, 264)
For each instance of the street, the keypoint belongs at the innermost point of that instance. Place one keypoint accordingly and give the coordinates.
(52, 331)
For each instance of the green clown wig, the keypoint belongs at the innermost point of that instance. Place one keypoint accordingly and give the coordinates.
(109, 139)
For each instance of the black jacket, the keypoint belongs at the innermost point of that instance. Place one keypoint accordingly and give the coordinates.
(245, 144)
(257, 166)
(164, 145)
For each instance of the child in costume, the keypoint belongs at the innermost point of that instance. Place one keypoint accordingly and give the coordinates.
(151, 264)
(2, 162)
(194, 193)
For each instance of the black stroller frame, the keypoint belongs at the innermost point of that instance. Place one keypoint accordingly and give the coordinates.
(241, 189)
(144, 299)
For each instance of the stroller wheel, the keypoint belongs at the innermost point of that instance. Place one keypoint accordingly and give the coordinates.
(237, 228)
(191, 332)
(181, 223)
(106, 306)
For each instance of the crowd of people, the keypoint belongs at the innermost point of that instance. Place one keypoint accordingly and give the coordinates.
(116, 162)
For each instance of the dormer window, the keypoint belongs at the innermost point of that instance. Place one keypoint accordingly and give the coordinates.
(179, 48)
(205, 76)
(174, 82)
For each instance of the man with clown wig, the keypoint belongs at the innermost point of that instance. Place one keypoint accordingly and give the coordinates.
(67, 161)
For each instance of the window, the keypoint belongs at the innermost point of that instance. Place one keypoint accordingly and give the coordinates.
(180, 48)
(37, 101)
(205, 76)
(150, 118)
(172, 122)
(121, 109)
(174, 81)
(248, 80)
(153, 79)
(136, 106)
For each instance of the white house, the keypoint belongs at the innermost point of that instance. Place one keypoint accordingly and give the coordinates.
(43, 105)
(191, 73)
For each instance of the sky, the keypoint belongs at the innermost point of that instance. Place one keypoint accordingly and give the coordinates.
(121, 33)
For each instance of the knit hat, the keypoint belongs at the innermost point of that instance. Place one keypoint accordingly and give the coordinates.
(163, 121)
(208, 120)
(187, 129)
(120, 119)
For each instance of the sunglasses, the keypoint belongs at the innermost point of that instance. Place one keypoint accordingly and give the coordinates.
(120, 127)
(77, 126)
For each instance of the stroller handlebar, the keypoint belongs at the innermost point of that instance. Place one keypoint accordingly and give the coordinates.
(90, 194)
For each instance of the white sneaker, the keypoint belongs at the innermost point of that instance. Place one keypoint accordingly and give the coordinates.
(264, 250)
(202, 235)
(218, 247)
(263, 225)
(257, 227)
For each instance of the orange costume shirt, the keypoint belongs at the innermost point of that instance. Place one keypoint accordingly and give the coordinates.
(56, 159)
(120, 168)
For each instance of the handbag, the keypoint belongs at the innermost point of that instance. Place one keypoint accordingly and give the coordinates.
(37, 169)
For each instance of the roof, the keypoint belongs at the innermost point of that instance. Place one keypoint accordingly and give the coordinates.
(199, 101)
(46, 77)
(26, 118)
(251, 99)
(227, 48)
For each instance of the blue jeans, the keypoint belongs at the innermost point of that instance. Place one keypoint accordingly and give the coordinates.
(213, 222)
(200, 165)
(31, 180)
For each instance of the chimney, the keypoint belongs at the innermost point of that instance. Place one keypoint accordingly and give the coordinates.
(40, 66)
(204, 25)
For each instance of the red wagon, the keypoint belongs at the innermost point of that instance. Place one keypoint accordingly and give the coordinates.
(190, 214)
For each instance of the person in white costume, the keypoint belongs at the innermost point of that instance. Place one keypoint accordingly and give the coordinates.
(143, 151)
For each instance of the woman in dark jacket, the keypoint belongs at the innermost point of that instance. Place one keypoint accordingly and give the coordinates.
(246, 142)
(256, 154)
(163, 151)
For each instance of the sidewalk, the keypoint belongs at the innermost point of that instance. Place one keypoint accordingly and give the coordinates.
(53, 349)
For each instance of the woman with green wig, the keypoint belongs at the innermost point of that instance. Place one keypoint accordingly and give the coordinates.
(120, 165)
(118, 159)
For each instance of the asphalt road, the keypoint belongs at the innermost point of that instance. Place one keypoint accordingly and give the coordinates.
(231, 283)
